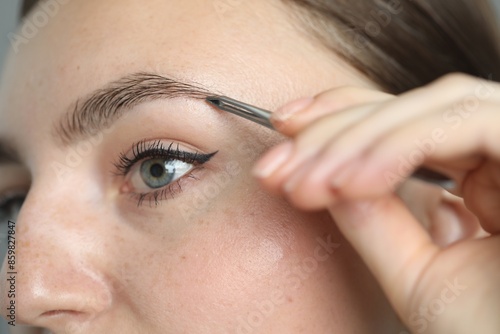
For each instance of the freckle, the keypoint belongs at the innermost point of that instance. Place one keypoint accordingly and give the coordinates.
(183, 257)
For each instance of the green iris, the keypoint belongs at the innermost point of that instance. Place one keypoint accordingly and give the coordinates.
(157, 173)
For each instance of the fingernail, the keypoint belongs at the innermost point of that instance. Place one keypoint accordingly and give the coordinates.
(284, 113)
(273, 160)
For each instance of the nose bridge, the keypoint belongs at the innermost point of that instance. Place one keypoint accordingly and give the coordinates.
(57, 269)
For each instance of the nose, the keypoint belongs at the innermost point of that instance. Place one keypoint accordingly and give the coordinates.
(56, 277)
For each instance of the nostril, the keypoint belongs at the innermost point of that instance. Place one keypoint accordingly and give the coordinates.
(63, 321)
(58, 313)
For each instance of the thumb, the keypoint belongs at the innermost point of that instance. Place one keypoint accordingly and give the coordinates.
(392, 243)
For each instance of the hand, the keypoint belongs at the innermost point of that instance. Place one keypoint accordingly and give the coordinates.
(349, 151)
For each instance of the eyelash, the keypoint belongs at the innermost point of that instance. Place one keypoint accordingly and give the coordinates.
(145, 150)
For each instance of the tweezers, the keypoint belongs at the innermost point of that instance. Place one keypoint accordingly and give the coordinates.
(263, 117)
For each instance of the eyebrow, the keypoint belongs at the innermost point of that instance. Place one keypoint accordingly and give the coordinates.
(100, 109)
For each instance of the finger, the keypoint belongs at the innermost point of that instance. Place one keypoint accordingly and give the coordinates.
(453, 151)
(294, 117)
(468, 153)
(446, 96)
(357, 131)
(396, 155)
(316, 134)
(310, 181)
(340, 157)
(274, 168)
(391, 242)
(483, 187)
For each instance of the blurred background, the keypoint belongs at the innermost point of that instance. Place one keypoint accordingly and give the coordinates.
(9, 10)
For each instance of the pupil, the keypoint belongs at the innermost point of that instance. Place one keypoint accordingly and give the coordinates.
(157, 170)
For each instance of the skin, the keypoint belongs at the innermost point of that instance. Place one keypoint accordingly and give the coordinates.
(91, 261)
(235, 263)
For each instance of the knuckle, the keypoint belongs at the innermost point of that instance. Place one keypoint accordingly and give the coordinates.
(456, 80)
(339, 98)
(346, 92)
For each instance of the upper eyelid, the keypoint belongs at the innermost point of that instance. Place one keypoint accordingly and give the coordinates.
(142, 149)
(125, 161)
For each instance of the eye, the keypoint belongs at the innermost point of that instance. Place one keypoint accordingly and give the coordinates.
(10, 206)
(152, 170)
(158, 173)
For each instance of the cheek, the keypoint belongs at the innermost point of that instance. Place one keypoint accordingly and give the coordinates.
(241, 245)
(234, 261)
(228, 268)
(228, 262)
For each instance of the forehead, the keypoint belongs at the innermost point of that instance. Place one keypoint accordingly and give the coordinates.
(250, 50)
(88, 43)
(100, 38)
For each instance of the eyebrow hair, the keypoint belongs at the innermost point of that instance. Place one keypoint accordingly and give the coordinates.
(100, 109)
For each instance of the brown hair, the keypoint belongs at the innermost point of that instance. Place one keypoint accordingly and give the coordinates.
(402, 44)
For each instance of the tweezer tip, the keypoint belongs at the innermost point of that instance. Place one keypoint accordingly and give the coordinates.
(215, 100)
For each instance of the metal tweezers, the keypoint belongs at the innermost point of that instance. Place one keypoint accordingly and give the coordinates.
(263, 117)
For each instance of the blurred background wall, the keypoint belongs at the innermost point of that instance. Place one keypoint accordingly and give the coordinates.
(9, 10)
(8, 18)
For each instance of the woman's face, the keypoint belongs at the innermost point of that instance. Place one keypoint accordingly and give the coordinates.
(142, 215)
